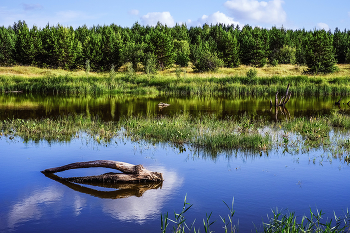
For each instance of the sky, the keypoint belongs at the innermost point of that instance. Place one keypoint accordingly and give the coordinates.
(291, 14)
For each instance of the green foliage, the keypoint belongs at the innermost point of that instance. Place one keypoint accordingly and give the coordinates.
(320, 53)
(252, 73)
(207, 47)
(230, 51)
(163, 47)
(182, 51)
(133, 53)
(347, 57)
(204, 60)
(150, 63)
(274, 62)
(7, 46)
(286, 55)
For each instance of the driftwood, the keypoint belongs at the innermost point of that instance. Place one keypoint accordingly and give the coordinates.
(280, 105)
(161, 104)
(284, 100)
(338, 102)
(13, 91)
(131, 173)
(123, 190)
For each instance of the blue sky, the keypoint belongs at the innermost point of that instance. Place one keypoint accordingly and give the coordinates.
(292, 14)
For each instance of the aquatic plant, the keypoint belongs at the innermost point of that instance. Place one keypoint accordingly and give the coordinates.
(281, 221)
(205, 132)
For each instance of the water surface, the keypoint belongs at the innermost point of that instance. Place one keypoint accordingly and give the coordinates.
(32, 202)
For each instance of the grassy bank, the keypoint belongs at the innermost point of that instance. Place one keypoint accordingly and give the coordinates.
(206, 133)
(224, 82)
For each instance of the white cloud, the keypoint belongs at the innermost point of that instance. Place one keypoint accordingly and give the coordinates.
(134, 12)
(153, 18)
(323, 26)
(39, 18)
(30, 7)
(259, 12)
(214, 18)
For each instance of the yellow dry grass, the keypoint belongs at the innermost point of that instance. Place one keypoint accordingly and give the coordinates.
(280, 70)
(32, 71)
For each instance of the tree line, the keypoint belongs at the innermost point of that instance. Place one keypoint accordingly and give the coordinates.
(150, 48)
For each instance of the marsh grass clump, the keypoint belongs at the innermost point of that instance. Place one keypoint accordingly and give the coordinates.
(205, 132)
(280, 221)
(288, 222)
(62, 129)
(315, 131)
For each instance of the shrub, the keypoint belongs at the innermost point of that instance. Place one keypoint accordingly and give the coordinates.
(207, 61)
(252, 73)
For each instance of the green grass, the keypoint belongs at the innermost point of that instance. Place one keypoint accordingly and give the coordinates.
(34, 80)
(62, 129)
(206, 132)
(280, 221)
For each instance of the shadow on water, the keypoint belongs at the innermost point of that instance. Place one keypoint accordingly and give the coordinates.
(122, 190)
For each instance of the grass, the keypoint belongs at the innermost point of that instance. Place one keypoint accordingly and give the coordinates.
(227, 81)
(62, 129)
(205, 132)
(266, 71)
(279, 222)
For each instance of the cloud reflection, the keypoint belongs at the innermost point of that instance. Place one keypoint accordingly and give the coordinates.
(146, 206)
(122, 204)
(29, 208)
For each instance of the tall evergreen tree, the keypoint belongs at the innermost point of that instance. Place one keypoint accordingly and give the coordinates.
(320, 53)
(163, 47)
(230, 50)
(7, 46)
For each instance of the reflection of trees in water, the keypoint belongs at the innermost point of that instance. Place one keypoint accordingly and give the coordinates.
(112, 107)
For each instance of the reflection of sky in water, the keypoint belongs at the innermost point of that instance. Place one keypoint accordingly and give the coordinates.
(149, 204)
(31, 202)
(31, 207)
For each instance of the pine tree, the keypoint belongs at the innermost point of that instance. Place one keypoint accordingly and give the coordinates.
(231, 50)
(182, 52)
(7, 46)
(22, 45)
(163, 48)
(320, 53)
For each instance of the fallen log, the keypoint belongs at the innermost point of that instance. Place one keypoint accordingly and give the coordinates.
(13, 91)
(131, 173)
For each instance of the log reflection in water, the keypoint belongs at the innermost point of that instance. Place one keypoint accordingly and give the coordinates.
(123, 190)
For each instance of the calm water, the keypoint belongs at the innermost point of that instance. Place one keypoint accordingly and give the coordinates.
(31, 202)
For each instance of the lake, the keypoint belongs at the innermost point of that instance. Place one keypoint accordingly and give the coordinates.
(295, 181)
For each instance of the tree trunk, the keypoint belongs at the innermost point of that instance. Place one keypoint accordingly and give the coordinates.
(131, 173)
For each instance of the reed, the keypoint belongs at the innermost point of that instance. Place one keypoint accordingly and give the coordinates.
(204, 132)
(280, 221)
(62, 129)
